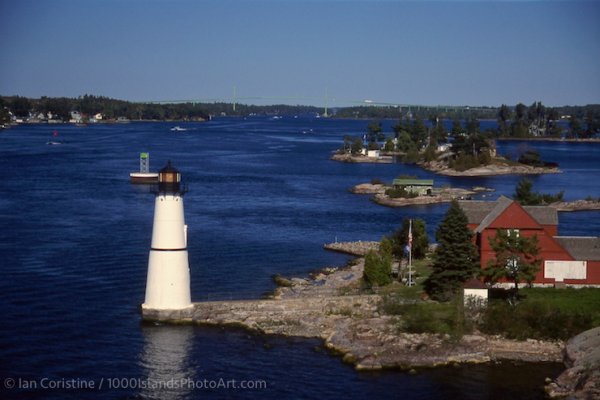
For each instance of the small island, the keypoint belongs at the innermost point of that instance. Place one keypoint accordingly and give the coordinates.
(408, 190)
(461, 153)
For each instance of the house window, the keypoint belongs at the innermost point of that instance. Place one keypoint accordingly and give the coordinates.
(512, 264)
(512, 232)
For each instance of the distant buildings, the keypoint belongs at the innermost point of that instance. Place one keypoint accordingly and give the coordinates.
(421, 187)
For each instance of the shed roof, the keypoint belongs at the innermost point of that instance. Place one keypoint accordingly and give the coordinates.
(474, 283)
(581, 248)
(413, 182)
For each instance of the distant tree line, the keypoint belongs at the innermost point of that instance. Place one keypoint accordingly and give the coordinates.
(61, 107)
(517, 121)
(537, 120)
(412, 112)
(89, 105)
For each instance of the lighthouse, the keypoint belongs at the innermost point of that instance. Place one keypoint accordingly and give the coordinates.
(168, 282)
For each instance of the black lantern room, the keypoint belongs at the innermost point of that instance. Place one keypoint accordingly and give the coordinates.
(169, 180)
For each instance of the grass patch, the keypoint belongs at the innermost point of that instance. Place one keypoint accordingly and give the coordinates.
(584, 300)
(544, 313)
(430, 317)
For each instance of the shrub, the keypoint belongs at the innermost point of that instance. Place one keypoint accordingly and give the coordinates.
(464, 162)
(378, 269)
(400, 192)
(441, 318)
(533, 319)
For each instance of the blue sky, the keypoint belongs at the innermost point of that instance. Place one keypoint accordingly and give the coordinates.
(405, 52)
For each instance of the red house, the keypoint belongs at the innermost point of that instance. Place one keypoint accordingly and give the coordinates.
(574, 261)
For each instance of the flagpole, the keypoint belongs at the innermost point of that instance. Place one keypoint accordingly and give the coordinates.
(410, 282)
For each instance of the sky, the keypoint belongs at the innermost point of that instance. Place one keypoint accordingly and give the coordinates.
(479, 53)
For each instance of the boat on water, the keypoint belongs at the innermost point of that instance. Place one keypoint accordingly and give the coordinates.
(144, 176)
(178, 129)
(53, 141)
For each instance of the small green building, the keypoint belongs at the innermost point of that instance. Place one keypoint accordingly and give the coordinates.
(422, 187)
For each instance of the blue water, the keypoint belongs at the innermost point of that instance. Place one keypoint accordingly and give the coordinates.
(263, 199)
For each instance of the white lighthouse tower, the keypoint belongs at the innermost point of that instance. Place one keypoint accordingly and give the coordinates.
(168, 284)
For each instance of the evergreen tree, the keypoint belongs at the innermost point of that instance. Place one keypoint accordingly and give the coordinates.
(575, 127)
(378, 268)
(524, 195)
(418, 132)
(374, 131)
(457, 128)
(504, 116)
(456, 258)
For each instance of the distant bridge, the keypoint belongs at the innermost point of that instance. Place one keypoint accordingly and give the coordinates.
(327, 101)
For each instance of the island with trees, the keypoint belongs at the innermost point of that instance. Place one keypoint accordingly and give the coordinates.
(464, 151)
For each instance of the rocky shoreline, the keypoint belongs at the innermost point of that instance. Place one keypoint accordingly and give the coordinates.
(332, 307)
(581, 379)
(444, 195)
(351, 158)
(488, 170)
(577, 205)
(441, 168)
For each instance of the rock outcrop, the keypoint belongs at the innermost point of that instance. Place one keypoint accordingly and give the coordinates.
(442, 168)
(581, 380)
(577, 205)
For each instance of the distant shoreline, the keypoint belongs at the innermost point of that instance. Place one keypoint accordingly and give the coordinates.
(549, 139)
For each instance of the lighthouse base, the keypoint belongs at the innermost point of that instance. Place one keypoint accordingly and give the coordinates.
(168, 284)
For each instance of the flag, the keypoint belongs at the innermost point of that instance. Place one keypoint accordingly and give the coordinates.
(410, 233)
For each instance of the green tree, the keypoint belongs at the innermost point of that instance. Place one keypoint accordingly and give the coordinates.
(347, 144)
(574, 127)
(420, 241)
(457, 128)
(418, 133)
(378, 268)
(504, 116)
(405, 143)
(389, 145)
(357, 146)
(519, 126)
(552, 127)
(517, 258)
(525, 195)
(456, 258)
(20, 106)
(473, 126)
(374, 131)
(438, 133)
(403, 126)
(430, 153)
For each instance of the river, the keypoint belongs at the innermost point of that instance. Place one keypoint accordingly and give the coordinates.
(263, 198)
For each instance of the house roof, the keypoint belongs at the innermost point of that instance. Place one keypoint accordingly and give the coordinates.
(483, 213)
(476, 210)
(501, 204)
(581, 248)
(543, 215)
(413, 182)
